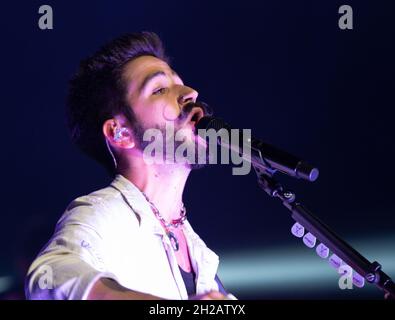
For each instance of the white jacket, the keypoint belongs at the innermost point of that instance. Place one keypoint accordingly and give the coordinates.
(113, 233)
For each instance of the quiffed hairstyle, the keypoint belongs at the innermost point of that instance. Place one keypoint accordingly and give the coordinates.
(97, 92)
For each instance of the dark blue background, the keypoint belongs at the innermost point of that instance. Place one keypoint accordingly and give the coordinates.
(282, 68)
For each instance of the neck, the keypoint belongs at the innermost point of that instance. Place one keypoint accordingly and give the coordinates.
(162, 184)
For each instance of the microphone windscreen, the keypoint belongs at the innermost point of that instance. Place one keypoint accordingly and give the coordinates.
(212, 123)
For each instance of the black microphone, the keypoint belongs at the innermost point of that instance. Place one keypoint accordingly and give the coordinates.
(262, 154)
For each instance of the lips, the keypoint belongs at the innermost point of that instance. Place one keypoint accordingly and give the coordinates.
(194, 116)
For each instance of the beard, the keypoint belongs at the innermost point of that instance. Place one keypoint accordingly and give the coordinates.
(198, 163)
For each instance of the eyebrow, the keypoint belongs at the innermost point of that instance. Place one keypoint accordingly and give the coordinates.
(152, 76)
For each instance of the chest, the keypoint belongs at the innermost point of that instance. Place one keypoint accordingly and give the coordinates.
(182, 254)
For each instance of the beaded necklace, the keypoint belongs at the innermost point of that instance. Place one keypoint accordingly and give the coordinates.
(167, 225)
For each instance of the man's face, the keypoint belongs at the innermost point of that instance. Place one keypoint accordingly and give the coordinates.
(158, 98)
(157, 94)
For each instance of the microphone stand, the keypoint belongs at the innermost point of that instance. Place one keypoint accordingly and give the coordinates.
(371, 272)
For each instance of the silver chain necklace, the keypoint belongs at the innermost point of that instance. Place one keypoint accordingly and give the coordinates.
(174, 223)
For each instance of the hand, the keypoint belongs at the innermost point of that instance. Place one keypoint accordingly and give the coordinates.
(212, 295)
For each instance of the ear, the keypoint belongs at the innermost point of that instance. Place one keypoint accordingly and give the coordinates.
(117, 135)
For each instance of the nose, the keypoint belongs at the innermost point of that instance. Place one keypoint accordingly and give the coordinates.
(187, 95)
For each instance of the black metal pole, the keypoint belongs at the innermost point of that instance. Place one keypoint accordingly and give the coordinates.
(370, 271)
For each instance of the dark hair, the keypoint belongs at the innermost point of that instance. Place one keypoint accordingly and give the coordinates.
(97, 92)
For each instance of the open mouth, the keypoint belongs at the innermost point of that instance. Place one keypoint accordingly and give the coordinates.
(195, 115)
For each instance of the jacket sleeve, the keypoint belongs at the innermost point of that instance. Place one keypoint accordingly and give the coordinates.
(73, 260)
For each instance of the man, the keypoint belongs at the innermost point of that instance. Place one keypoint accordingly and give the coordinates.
(130, 240)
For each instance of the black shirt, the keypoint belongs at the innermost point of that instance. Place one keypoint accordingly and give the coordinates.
(189, 280)
(190, 283)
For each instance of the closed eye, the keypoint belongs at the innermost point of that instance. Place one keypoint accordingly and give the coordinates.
(159, 91)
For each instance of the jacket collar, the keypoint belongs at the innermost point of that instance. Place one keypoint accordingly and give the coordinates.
(138, 203)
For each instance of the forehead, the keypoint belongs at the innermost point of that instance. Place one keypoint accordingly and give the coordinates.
(136, 70)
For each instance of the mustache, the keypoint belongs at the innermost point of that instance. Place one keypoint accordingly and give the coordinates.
(186, 110)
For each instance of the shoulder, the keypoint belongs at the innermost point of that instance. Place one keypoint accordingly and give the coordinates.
(99, 210)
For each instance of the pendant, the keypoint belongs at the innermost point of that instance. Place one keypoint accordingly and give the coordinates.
(173, 241)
